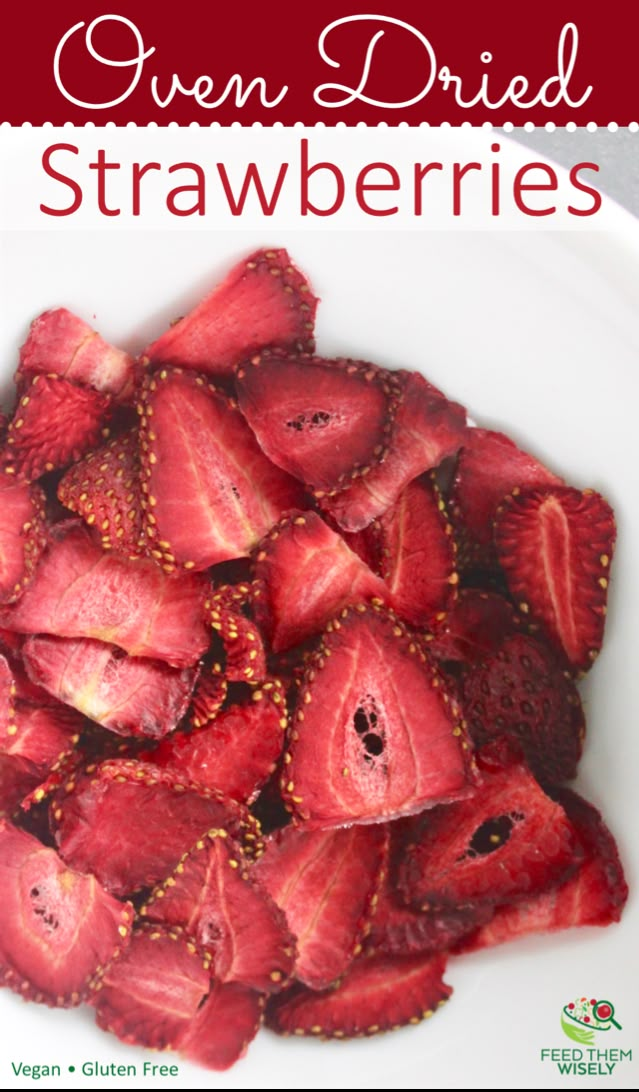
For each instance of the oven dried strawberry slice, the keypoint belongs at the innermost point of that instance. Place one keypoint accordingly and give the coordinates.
(474, 627)
(427, 428)
(326, 882)
(129, 822)
(104, 488)
(55, 423)
(555, 546)
(209, 492)
(62, 344)
(42, 734)
(375, 734)
(264, 300)
(308, 573)
(244, 657)
(130, 695)
(508, 841)
(520, 691)
(219, 1034)
(22, 535)
(150, 995)
(594, 895)
(238, 751)
(214, 897)
(323, 421)
(58, 929)
(207, 699)
(7, 700)
(18, 778)
(378, 994)
(79, 590)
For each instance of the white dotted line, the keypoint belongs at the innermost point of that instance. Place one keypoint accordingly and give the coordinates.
(507, 126)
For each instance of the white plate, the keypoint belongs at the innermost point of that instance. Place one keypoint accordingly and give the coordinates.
(537, 335)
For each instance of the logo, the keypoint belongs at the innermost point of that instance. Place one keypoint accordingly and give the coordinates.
(581, 1019)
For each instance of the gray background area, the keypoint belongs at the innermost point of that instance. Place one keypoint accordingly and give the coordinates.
(617, 155)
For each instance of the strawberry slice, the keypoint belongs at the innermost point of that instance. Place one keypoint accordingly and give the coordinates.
(58, 929)
(80, 591)
(237, 752)
(220, 1032)
(506, 842)
(264, 300)
(209, 493)
(208, 698)
(521, 692)
(324, 421)
(555, 546)
(104, 488)
(375, 733)
(417, 552)
(22, 535)
(18, 778)
(427, 428)
(243, 652)
(594, 895)
(129, 695)
(54, 424)
(7, 700)
(474, 627)
(62, 344)
(150, 995)
(378, 994)
(43, 735)
(326, 882)
(308, 573)
(129, 823)
(217, 901)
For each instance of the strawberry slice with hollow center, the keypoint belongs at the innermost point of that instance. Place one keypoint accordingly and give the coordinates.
(555, 546)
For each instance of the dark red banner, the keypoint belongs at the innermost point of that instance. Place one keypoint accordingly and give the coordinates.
(334, 62)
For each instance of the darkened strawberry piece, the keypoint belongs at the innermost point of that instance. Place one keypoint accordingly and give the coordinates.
(308, 574)
(60, 343)
(417, 553)
(244, 659)
(80, 591)
(220, 1032)
(209, 493)
(520, 691)
(489, 467)
(207, 698)
(594, 895)
(375, 734)
(264, 300)
(104, 488)
(151, 993)
(326, 882)
(508, 841)
(474, 627)
(54, 424)
(131, 695)
(323, 421)
(377, 994)
(555, 546)
(58, 929)
(213, 895)
(22, 535)
(129, 822)
(427, 427)
(238, 751)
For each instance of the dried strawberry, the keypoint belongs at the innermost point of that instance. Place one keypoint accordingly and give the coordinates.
(474, 627)
(555, 546)
(54, 424)
(507, 842)
(375, 734)
(7, 700)
(209, 493)
(377, 994)
(18, 778)
(214, 897)
(326, 882)
(264, 300)
(129, 822)
(208, 698)
(62, 344)
(81, 591)
(244, 656)
(58, 928)
(427, 427)
(22, 535)
(104, 488)
(220, 1032)
(323, 421)
(308, 573)
(130, 695)
(43, 735)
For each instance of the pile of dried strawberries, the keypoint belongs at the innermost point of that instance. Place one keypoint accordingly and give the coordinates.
(288, 681)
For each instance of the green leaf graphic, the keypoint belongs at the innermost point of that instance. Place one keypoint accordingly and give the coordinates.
(573, 1031)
